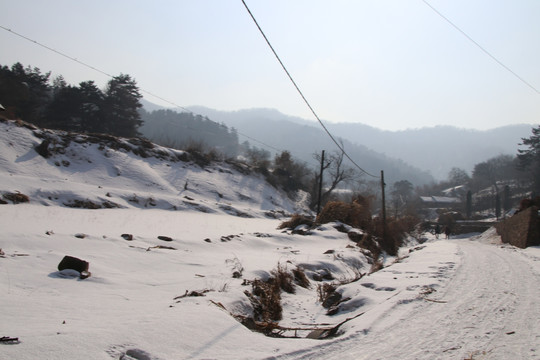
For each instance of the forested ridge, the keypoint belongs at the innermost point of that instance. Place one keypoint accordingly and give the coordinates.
(30, 95)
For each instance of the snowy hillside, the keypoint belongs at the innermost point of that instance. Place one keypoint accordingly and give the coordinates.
(110, 172)
(188, 283)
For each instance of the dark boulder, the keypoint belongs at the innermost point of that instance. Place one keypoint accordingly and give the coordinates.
(43, 149)
(73, 263)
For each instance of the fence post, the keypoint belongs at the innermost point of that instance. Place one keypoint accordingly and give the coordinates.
(320, 184)
(383, 206)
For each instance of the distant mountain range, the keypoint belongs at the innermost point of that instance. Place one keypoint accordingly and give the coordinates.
(418, 155)
(273, 131)
(438, 149)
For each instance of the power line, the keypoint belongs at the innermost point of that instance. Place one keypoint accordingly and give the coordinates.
(481, 47)
(302, 95)
(56, 51)
(89, 66)
(141, 89)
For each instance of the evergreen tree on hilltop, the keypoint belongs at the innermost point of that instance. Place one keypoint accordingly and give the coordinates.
(291, 175)
(24, 92)
(76, 108)
(529, 159)
(27, 94)
(64, 111)
(91, 108)
(122, 101)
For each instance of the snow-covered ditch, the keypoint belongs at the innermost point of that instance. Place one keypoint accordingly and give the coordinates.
(443, 299)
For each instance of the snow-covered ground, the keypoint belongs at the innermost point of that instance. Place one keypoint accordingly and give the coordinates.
(463, 298)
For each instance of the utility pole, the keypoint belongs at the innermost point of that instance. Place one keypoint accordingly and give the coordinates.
(320, 184)
(383, 205)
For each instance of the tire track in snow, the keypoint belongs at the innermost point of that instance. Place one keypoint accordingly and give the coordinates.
(490, 309)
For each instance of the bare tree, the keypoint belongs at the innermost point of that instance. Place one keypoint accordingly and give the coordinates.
(458, 176)
(401, 194)
(335, 173)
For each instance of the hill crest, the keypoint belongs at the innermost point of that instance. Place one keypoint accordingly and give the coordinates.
(425, 154)
(77, 170)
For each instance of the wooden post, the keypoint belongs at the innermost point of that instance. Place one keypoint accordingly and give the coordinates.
(320, 184)
(383, 205)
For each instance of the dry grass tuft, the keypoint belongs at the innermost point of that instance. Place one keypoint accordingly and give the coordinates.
(300, 278)
(284, 279)
(324, 291)
(365, 241)
(295, 221)
(16, 197)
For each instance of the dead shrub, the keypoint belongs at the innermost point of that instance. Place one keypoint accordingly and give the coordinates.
(110, 205)
(330, 298)
(300, 278)
(202, 157)
(184, 157)
(236, 267)
(342, 228)
(376, 266)
(265, 296)
(391, 238)
(242, 168)
(354, 214)
(365, 241)
(295, 221)
(323, 274)
(82, 204)
(527, 203)
(194, 293)
(324, 291)
(408, 223)
(358, 215)
(213, 155)
(142, 143)
(17, 197)
(88, 204)
(266, 300)
(24, 124)
(284, 279)
(449, 218)
(387, 238)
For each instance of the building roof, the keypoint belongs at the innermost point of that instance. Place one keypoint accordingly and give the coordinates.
(440, 199)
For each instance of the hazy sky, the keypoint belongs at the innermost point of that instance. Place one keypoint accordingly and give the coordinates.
(392, 64)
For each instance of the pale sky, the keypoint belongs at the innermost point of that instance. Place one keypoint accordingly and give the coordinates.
(391, 64)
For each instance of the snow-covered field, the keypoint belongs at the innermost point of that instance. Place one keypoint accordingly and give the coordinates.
(444, 299)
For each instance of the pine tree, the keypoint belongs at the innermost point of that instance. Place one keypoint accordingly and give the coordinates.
(25, 92)
(122, 101)
(529, 159)
(92, 104)
(64, 111)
